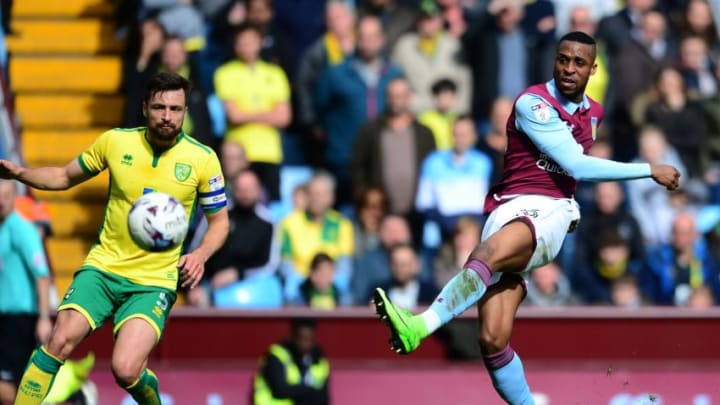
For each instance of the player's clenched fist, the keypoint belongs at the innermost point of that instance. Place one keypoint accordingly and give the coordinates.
(666, 175)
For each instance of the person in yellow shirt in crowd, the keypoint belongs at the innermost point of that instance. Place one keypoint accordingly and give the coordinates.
(318, 228)
(256, 96)
(441, 119)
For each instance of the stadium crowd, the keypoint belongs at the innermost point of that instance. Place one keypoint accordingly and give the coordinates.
(359, 139)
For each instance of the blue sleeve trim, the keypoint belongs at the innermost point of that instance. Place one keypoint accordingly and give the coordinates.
(214, 206)
(212, 193)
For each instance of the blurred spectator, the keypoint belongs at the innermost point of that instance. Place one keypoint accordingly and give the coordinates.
(681, 120)
(302, 22)
(581, 19)
(711, 146)
(679, 266)
(331, 49)
(24, 293)
(625, 292)
(608, 260)
(429, 54)
(370, 208)
(441, 117)
(350, 94)
(388, 153)
(456, 16)
(35, 211)
(701, 298)
(495, 140)
(609, 213)
(697, 67)
(141, 60)
(539, 22)
(197, 121)
(249, 249)
(372, 267)
(303, 234)
(179, 18)
(318, 290)
(547, 286)
(256, 96)
(396, 19)
(503, 57)
(405, 287)
(616, 30)
(633, 69)
(300, 197)
(233, 161)
(563, 12)
(453, 183)
(5, 13)
(275, 48)
(697, 20)
(454, 253)
(294, 371)
(652, 207)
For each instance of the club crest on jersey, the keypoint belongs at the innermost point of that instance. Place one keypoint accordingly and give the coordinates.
(594, 124)
(182, 171)
(541, 111)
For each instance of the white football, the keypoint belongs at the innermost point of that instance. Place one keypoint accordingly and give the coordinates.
(157, 222)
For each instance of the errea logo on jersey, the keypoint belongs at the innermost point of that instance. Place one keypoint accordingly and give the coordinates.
(127, 159)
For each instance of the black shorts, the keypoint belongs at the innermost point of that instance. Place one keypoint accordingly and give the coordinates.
(17, 342)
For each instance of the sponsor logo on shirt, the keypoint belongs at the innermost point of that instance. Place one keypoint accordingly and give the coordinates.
(215, 182)
(541, 111)
(549, 165)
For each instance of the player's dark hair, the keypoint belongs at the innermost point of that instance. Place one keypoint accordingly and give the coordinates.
(166, 81)
(443, 85)
(578, 36)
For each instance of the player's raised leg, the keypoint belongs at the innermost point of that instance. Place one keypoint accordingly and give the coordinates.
(497, 311)
(70, 329)
(507, 250)
(135, 340)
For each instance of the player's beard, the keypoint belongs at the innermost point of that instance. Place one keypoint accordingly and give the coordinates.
(164, 134)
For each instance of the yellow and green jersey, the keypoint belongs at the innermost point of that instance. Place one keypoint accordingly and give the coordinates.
(189, 171)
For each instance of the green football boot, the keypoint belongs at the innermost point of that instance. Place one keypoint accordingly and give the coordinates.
(406, 330)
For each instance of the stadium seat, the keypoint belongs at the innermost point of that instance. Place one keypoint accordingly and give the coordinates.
(262, 292)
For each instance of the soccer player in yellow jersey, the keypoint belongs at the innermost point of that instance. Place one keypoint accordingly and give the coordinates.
(117, 277)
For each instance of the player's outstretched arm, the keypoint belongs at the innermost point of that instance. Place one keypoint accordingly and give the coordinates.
(666, 175)
(45, 178)
(192, 265)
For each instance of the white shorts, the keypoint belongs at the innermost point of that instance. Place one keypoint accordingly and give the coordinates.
(550, 219)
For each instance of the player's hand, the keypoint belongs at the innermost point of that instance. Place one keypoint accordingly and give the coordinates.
(666, 176)
(8, 169)
(192, 268)
(43, 329)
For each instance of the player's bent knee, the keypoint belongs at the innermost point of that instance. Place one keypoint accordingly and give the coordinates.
(491, 342)
(126, 372)
(61, 344)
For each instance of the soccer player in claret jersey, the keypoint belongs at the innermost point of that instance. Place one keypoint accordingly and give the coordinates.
(117, 277)
(530, 210)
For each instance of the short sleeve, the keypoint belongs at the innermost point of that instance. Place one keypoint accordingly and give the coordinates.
(221, 80)
(211, 188)
(93, 160)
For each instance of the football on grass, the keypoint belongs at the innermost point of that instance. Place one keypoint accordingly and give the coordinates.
(157, 222)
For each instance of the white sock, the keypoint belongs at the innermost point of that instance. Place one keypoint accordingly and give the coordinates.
(432, 320)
